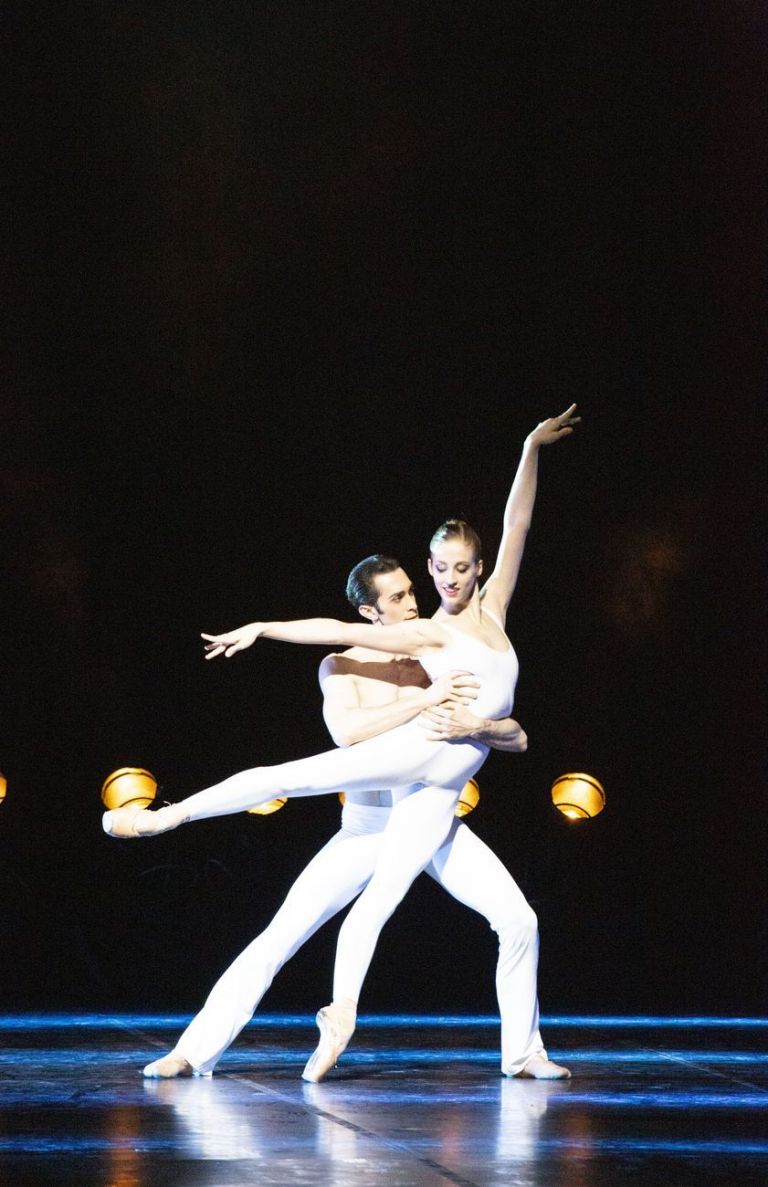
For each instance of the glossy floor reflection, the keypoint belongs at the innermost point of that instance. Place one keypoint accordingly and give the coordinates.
(417, 1101)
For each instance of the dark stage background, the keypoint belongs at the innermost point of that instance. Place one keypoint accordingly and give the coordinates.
(287, 283)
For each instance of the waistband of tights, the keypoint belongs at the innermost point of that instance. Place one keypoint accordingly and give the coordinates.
(369, 799)
(365, 816)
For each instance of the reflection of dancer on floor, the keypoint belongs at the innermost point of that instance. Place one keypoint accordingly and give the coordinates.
(364, 691)
(466, 634)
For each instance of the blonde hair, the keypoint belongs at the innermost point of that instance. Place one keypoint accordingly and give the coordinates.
(457, 529)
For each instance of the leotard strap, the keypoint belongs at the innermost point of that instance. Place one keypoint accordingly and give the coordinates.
(493, 618)
(462, 635)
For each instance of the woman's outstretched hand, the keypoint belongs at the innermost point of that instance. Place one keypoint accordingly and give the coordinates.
(555, 427)
(232, 641)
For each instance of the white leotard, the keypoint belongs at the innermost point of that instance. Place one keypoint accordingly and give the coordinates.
(497, 671)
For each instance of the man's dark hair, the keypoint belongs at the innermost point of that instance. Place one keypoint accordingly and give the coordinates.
(361, 590)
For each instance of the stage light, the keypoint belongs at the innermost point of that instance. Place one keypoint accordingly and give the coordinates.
(3, 787)
(129, 785)
(469, 798)
(578, 796)
(268, 808)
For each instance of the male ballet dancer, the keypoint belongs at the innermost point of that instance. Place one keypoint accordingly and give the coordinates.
(367, 692)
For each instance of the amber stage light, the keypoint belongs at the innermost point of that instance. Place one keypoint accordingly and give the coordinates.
(469, 798)
(3, 787)
(129, 785)
(578, 796)
(268, 808)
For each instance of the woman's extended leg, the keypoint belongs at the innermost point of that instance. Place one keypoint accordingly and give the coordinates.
(366, 766)
(399, 758)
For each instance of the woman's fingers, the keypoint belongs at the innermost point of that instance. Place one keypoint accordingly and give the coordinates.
(566, 419)
(218, 644)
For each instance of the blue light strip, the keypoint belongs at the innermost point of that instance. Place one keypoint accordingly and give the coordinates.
(656, 1022)
(144, 1145)
(59, 1021)
(747, 1147)
(703, 1099)
(83, 1145)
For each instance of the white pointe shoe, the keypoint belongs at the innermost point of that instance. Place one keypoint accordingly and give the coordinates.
(168, 1067)
(129, 822)
(337, 1025)
(539, 1067)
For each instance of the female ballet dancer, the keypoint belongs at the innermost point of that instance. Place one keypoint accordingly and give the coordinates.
(465, 634)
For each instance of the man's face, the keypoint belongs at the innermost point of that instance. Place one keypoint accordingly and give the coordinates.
(395, 600)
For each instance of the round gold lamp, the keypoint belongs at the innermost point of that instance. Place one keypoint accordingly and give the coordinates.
(578, 796)
(469, 798)
(268, 808)
(129, 785)
(3, 787)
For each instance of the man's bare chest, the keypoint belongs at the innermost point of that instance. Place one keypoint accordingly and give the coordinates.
(381, 683)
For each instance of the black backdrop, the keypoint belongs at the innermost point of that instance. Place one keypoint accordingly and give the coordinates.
(287, 283)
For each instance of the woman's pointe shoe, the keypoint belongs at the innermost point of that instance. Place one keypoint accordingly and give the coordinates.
(168, 1067)
(337, 1025)
(131, 822)
(540, 1068)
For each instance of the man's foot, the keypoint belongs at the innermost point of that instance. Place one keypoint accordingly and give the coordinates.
(539, 1067)
(168, 1067)
(130, 822)
(337, 1025)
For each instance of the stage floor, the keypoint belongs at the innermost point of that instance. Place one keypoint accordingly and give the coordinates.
(416, 1101)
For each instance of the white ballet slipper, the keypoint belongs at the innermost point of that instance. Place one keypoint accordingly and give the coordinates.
(337, 1025)
(168, 1067)
(539, 1067)
(130, 822)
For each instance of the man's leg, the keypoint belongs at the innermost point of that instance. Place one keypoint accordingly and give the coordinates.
(330, 881)
(471, 873)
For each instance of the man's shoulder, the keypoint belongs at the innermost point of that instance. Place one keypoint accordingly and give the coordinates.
(348, 663)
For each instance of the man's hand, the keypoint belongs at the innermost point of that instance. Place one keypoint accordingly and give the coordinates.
(232, 641)
(454, 688)
(455, 723)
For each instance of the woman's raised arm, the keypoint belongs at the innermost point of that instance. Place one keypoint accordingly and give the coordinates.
(497, 591)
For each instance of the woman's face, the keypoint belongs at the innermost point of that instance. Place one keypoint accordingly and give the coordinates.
(455, 572)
